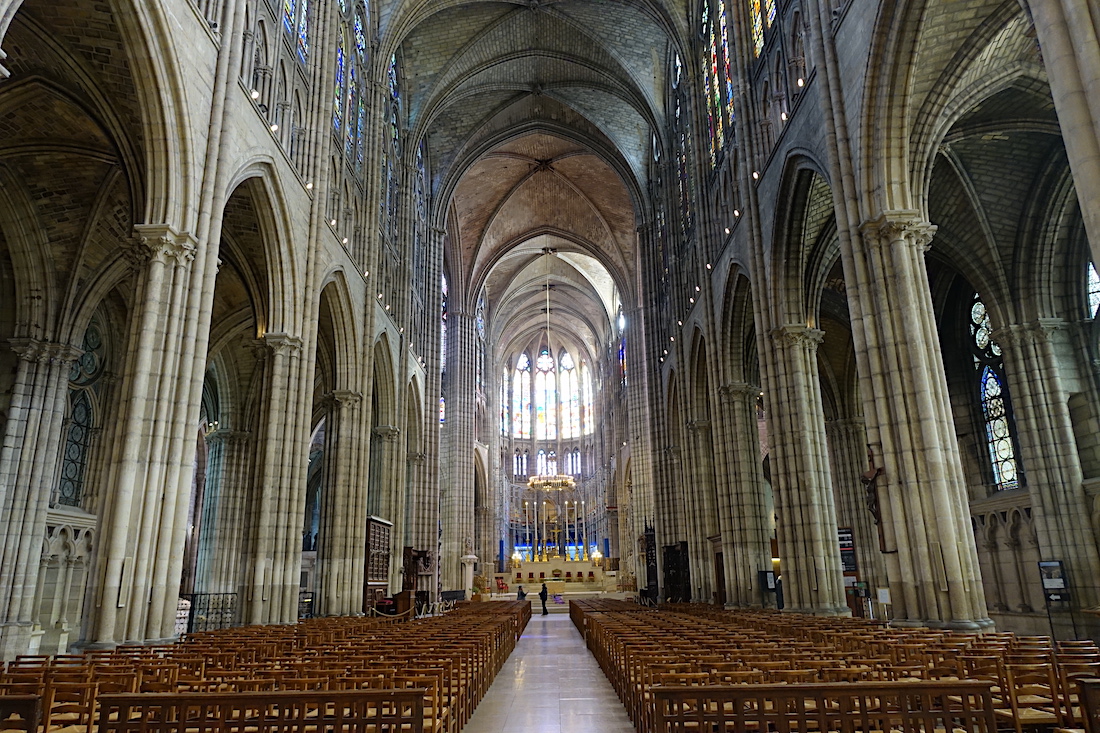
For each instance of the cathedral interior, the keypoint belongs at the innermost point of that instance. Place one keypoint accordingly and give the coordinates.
(309, 304)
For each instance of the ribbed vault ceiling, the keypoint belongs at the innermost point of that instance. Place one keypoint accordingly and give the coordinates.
(539, 119)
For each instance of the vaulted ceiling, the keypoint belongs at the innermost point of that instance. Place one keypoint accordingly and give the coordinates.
(539, 118)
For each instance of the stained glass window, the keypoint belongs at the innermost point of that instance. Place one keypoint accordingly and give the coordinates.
(359, 128)
(677, 71)
(716, 91)
(552, 463)
(521, 398)
(769, 11)
(540, 463)
(569, 387)
(353, 104)
(589, 425)
(546, 402)
(726, 66)
(757, 27)
(303, 31)
(288, 15)
(360, 37)
(994, 398)
(1093, 290)
(83, 382)
(338, 92)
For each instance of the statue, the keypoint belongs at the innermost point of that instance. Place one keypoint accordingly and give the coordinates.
(870, 478)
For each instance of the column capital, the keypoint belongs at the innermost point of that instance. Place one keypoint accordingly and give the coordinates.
(388, 433)
(698, 426)
(281, 344)
(344, 397)
(162, 243)
(1038, 331)
(45, 352)
(900, 225)
(738, 390)
(225, 435)
(416, 458)
(798, 335)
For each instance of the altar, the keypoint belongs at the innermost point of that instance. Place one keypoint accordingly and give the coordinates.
(561, 575)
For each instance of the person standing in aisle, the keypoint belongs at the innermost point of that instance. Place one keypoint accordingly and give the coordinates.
(543, 594)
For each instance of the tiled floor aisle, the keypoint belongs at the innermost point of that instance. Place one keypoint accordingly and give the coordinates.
(550, 684)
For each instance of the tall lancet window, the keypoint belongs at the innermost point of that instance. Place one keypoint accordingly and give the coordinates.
(1000, 428)
(84, 385)
(521, 398)
(1092, 290)
(546, 398)
(570, 389)
(588, 423)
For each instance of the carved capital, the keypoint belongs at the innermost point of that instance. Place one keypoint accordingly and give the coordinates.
(698, 426)
(798, 335)
(164, 244)
(345, 397)
(227, 436)
(282, 344)
(388, 433)
(738, 391)
(416, 459)
(897, 226)
(45, 352)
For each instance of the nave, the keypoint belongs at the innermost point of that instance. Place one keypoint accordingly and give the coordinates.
(550, 684)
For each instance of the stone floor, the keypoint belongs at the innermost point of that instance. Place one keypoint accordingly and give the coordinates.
(550, 684)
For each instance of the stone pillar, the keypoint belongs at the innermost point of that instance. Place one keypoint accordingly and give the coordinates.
(706, 520)
(457, 492)
(742, 503)
(140, 513)
(28, 463)
(342, 540)
(1048, 454)
(1067, 31)
(848, 460)
(806, 514)
(392, 504)
(931, 558)
(468, 561)
(276, 539)
(223, 530)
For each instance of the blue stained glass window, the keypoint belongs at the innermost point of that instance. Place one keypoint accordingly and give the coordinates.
(360, 37)
(303, 31)
(353, 103)
(288, 15)
(769, 11)
(994, 398)
(726, 62)
(75, 457)
(338, 93)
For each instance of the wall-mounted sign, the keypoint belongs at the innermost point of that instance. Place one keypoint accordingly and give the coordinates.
(847, 550)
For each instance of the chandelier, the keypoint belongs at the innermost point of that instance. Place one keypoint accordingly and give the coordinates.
(556, 482)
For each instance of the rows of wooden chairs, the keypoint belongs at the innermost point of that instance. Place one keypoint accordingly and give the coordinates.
(452, 659)
(1034, 682)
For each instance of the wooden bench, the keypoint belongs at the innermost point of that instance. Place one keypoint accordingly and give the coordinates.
(839, 708)
(322, 711)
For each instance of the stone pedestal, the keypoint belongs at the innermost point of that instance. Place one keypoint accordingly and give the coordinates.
(468, 562)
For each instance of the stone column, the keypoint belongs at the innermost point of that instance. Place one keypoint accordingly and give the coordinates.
(28, 463)
(457, 491)
(848, 460)
(707, 521)
(392, 504)
(1067, 31)
(806, 514)
(343, 521)
(1048, 454)
(931, 558)
(742, 503)
(223, 529)
(276, 537)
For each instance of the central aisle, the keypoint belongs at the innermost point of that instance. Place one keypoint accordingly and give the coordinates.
(550, 684)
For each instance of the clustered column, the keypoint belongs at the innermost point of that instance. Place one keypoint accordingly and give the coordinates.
(746, 542)
(27, 459)
(931, 560)
(806, 524)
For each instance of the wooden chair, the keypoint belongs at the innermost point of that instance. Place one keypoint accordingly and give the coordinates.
(1031, 690)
